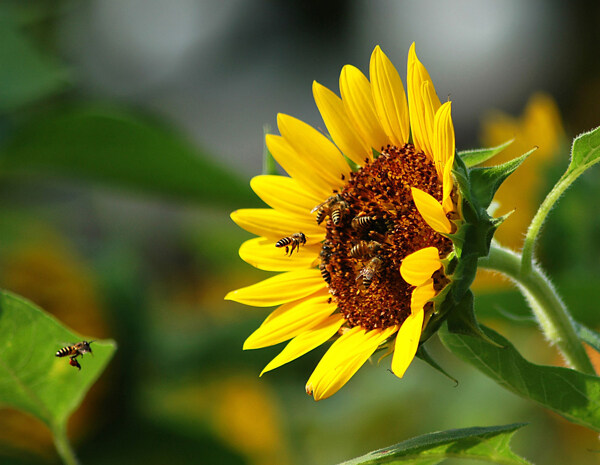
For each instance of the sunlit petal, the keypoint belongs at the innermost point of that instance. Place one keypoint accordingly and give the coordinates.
(358, 102)
(389, 98)
(297, 166)
(323, 157)
(284, 194)
(279, 289)
(339, 126)
(261, 253)
(308, 340)
(274, 224)
(291, 319)
(407, 343)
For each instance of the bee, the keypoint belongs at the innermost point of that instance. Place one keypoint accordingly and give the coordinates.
(365, 249)
(335, 206)
(370, 270)
(74, 351)
(361, 223)
(325, 254)
(292, 242)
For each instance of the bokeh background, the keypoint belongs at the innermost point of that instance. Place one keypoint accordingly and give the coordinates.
(93, 88)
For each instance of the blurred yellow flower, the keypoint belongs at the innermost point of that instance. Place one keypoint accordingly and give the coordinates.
(539, 126)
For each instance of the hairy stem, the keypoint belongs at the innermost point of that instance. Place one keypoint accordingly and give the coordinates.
(538, 220)
(551, 312)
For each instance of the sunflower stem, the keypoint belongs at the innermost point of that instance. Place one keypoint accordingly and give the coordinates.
(538, 220)
(549, 309)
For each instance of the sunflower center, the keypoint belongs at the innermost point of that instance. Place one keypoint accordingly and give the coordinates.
(372, 224)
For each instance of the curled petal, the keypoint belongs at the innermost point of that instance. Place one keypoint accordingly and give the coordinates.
(443, 137)
(419, 266)
(423, 103)
(422, 294)
(431, 211)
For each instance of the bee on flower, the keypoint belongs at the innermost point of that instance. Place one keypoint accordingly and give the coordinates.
(384, 234)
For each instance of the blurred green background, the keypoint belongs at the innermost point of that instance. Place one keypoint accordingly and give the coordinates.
(129, 130)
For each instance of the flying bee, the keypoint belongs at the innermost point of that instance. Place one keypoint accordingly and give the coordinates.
(292, 242)
(362, 223)
(365, 249)
(370, 270)
(74, 351)
(335, 206)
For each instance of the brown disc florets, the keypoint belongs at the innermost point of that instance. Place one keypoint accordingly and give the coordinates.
(372, 224)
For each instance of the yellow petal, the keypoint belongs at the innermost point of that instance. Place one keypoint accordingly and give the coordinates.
(284, 194)
(279, 289)
(275, 225)
(261, 253)
(297, 166)
(320, 153)
(423, 103)
(343, 359)
(407, 343)
(431, 211)
(448, 183)
(418, 267)
(339, 125)
(291, 319)
(358, 102)
(421, 295)
(389, 98)
(443, 137)
(307, 341)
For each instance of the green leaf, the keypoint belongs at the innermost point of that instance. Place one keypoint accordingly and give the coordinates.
(118, 148)
(424, 355)
(477, 156)
(25, 75)
(485, 181)
(574, 395)
(482, 443)
(32, 378)
(585, 152)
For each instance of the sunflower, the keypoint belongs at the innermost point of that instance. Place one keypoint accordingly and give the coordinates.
(366, 218)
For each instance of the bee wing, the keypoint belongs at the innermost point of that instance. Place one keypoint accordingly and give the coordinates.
(319, 206)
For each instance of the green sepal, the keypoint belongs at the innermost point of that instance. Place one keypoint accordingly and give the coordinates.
(477, 156)
(462, 320)
(486, 181)
(376, 153)
(427, 358)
